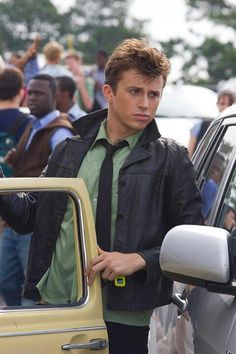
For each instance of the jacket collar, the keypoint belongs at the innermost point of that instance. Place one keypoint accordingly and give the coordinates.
(88, 126)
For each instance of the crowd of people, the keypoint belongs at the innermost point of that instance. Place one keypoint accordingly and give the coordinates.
(139, 178)
(55, 94)
(55, 61)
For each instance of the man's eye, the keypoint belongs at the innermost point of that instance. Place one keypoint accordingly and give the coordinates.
(153, 94)
(134, 91)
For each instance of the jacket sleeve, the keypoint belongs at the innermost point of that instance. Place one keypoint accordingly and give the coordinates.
(183, 195)
(183, 202)
(18, 210)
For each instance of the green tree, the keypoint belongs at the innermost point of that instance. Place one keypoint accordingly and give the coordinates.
(21, 20)
(213, 59)
(100, 24)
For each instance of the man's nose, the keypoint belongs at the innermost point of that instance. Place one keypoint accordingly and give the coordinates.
(144, 101)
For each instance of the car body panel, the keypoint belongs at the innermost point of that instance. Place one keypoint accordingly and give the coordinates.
(43, 329)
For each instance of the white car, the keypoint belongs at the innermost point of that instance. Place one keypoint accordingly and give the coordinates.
(202, 259)
(181, 107)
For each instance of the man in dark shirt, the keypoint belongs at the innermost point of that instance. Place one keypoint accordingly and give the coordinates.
(13, 249)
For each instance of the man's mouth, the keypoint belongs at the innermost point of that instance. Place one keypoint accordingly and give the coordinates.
(142, 116)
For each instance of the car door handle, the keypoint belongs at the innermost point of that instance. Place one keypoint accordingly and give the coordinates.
(93, 344)
(180, 302)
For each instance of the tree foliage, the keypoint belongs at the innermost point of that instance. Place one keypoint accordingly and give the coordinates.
(21, 20)
(220, 12)
(89, 24)
(213, 56)
(100, 25)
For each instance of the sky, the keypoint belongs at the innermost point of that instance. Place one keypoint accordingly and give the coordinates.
(167, 17)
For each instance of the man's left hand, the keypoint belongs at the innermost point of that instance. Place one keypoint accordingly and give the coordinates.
(113, 264)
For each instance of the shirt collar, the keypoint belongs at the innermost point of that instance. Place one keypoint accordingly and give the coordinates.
(131, 140)
(47, 119)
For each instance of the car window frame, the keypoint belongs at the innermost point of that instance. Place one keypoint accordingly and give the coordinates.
(203, 155)
(203, 162)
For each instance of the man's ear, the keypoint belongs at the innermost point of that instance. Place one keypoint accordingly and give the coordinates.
(108, 93)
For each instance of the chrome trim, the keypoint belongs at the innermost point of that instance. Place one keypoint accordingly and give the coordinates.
(84, 254)
(53, 331)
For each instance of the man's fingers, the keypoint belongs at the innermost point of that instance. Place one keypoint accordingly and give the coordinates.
(91, 277)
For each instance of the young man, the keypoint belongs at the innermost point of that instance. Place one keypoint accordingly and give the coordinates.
(13, 250)
(27, 160)
(85, 84)
(152, 189)
(48, 129)
(66, 100)
(98, 74)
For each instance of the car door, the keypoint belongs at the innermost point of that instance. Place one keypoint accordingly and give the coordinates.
(216, 178)
(53, 329)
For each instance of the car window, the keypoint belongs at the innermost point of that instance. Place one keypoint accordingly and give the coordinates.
(215, 168)
(227, 211)
(63, 283)
(205, 143)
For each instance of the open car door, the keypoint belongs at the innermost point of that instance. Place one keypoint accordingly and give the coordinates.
(53, 329)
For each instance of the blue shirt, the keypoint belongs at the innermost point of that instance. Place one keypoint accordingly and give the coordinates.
(196, 129)
(75, 112)
(59, 135)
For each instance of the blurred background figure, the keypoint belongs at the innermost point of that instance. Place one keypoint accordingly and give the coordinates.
(13, 249)
(230, 219)
(224, 100)
(98, 74)
(85, 84)
(28, 159)
(53, 52)
(12, 120)
(211, 185)
(27, 62)
(65, 98)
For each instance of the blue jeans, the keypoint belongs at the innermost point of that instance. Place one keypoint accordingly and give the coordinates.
(14, 249)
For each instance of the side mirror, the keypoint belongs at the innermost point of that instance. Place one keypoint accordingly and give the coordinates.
(197, 255)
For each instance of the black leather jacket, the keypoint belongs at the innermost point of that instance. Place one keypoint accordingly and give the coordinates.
(157, 191)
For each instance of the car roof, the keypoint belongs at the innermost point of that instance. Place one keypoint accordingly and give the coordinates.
(188, 101)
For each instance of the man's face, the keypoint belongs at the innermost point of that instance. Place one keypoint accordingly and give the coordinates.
(40, 98)
(133, 106)
(223, 102)
(230, 221)
(73, 63)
